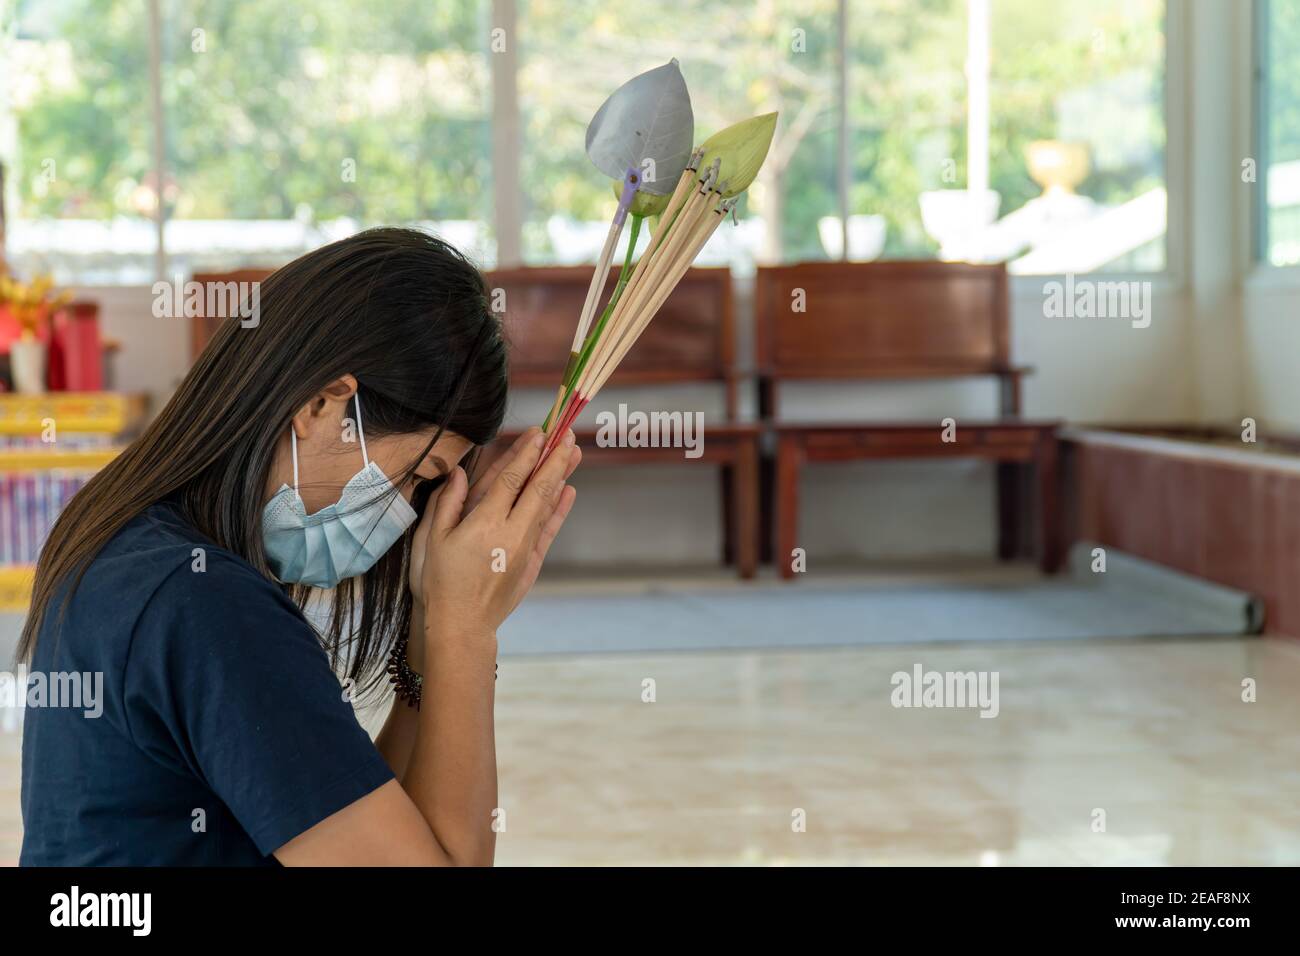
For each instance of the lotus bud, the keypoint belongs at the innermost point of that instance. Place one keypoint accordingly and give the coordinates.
(647, 118)
(742, 149)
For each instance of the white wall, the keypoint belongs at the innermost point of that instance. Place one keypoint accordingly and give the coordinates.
(1272, 351)
(155, 353)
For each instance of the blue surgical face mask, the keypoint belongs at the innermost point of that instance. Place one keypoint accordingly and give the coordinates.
(342, 540)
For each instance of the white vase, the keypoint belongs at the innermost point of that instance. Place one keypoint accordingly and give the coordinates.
(957, 219)
(27, 365)
(866, 237)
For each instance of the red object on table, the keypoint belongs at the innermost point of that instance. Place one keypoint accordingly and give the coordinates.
(76, 357)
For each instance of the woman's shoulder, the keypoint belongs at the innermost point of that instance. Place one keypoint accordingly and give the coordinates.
(161, 562)
(158, 542)
(157, 576)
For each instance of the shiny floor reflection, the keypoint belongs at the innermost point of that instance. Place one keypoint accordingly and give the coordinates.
(1102, 753)
(1132, 753)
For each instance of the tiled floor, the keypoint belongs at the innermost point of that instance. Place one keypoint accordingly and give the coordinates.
(1155, 734)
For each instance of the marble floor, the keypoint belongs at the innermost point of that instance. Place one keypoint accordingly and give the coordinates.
(1132, 753)
(1150, 740)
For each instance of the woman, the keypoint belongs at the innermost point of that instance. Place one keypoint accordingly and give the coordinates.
(297, 454)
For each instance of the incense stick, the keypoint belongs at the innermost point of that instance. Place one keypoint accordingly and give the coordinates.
(599, 340)
(677, 260)
(677, 270)
(677, 199)
(585, 338)
(667, 224)
(639, 289)
(647, 120)
(699, 202)
(597, 282)
(631, 180)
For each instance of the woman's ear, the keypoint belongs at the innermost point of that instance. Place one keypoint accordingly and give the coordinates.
(340, 390)
(327, 405)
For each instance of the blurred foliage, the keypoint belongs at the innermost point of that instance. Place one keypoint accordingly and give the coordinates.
(264, 118)
(739, 59)
(1113, 53)
(266, 104)
(95, 129)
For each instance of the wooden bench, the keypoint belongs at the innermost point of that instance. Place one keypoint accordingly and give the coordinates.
(894, 321)
(690, 340)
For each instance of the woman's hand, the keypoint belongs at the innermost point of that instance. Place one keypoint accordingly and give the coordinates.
(477, 552)
(484, 481)
(476, 492)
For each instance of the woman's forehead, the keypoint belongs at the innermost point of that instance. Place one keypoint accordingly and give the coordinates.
(446, 452)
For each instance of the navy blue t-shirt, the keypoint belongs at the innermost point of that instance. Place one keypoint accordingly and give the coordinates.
(222, 732)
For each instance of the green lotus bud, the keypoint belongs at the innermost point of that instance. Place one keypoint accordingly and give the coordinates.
(643, 204)
(742, 149)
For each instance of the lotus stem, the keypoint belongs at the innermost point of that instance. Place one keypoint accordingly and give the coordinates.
(578, 359)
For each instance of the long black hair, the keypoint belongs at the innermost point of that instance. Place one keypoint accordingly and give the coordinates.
(402, 311)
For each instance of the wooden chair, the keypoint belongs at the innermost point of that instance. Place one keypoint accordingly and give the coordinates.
(692, 339)
(899, 320)
(203, 327)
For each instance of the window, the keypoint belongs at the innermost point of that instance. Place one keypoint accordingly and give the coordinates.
(75, 140)
(907, 117)
(295, 124)
(739, 59)
(1010, 130)
(1279, 125)
(285, 128)
(1025, 131)
(1076, 139)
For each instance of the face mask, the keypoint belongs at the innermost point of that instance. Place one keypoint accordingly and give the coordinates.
(342, 540)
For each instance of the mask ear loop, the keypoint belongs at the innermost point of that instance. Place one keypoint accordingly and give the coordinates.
(361, 432)
(293, 444)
